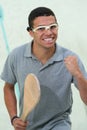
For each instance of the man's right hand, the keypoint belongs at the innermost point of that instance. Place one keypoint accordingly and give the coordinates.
(19, 124)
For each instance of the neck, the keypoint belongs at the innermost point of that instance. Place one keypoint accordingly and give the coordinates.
(43, 54)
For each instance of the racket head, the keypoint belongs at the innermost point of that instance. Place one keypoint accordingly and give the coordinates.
(31, 95)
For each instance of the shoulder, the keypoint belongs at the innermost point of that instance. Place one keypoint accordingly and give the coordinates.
(19, 49)
(66, 52)
(17, 53)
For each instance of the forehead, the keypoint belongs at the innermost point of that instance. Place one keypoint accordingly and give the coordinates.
(44, 20)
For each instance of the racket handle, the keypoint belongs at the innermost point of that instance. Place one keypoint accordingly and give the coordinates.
(23, 117)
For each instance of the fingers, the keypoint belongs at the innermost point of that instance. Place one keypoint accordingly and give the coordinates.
(70, 59)
(71, 63)
(19, 124)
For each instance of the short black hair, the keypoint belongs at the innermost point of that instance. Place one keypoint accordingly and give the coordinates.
(39, 11)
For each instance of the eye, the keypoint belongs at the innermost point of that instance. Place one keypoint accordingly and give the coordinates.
(53, 26)
(41, 29)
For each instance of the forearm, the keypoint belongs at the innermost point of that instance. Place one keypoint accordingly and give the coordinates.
(11, 104)
(82, 86)
(71, 63)
(10, 100)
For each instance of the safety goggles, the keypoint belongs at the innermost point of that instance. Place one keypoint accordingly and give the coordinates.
(51, 27)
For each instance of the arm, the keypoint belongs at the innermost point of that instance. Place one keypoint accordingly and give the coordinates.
(73, 67)
(11, 104)
(10, 99)
(82, 85)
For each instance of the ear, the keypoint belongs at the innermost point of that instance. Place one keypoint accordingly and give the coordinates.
(31, 33)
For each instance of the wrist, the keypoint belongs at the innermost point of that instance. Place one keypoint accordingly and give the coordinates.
(13, 118)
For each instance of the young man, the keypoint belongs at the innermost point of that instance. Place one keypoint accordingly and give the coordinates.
(55, 67)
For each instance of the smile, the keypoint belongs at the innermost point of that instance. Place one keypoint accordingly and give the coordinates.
(48, 39)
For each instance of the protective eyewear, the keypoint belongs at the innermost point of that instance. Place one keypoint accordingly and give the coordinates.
(51, 27)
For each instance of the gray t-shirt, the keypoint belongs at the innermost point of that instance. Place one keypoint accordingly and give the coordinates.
(55, 82)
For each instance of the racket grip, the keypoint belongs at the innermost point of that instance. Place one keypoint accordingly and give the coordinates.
(23, 117)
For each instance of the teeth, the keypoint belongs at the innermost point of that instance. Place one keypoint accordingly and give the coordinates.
(48, 39)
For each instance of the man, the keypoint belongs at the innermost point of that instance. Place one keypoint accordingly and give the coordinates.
(55, 67)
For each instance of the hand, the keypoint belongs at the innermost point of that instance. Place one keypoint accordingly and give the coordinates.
(19, 124)
(72, 65)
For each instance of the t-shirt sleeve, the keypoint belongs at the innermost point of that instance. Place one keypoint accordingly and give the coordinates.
(8, 73)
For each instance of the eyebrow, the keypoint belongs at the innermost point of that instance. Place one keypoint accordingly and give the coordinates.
(46, 25)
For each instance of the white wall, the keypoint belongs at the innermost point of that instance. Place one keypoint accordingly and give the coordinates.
(72, 18)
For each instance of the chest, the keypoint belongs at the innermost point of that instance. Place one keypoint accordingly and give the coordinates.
(52, 75)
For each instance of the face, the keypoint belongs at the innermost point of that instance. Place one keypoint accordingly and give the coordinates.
(45, 31)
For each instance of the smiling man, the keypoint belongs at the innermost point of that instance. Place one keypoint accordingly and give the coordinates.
(55, 67)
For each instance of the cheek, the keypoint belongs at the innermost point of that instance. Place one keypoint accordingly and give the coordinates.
(56, 34)
(38, 37)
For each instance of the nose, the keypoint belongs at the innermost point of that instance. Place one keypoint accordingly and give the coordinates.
(48, 31)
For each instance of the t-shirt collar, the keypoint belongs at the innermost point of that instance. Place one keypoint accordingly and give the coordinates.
(58, 56)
